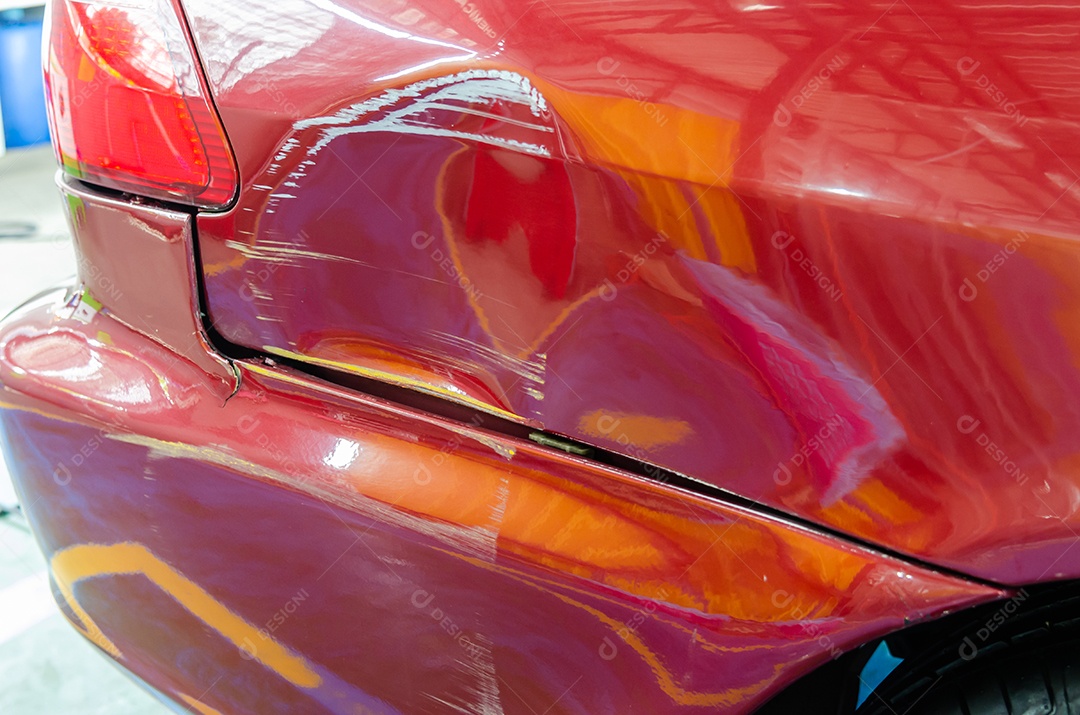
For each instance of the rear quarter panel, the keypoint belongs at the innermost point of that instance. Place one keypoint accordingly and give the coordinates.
(825, 259)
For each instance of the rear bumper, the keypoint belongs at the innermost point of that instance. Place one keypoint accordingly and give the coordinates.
(284, 534)
(245, 538)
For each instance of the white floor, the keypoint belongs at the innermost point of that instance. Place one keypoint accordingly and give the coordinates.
(28, 197)
(45, 666)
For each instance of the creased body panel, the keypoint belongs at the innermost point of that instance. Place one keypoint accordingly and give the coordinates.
(825, 259)
(300, 550)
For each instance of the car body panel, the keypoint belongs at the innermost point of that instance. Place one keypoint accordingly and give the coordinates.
(298, 548)
(822, 258)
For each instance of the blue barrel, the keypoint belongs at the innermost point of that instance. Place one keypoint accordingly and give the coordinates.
(22, 92)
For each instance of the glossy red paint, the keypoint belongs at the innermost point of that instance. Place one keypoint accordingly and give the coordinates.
(806, 255)
(820, 256)
(303, 549)
(331, 552)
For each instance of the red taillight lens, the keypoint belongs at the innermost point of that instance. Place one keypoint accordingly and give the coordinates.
(128, 105)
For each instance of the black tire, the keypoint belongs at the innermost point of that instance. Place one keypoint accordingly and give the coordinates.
(1031, 672)
(1019, 656)
(1040, 681)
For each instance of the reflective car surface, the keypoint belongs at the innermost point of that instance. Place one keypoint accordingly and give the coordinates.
(567, 357)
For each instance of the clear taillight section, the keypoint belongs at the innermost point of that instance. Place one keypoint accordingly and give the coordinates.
(127, 105)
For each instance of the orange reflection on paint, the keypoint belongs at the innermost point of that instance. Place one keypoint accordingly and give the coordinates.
(83, 561)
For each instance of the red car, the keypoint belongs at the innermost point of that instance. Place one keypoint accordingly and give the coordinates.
(564, 356)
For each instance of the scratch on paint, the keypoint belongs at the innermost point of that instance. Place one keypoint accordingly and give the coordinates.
(500, 448)
(462, 90)
(482, 665)
(479, 666)
(476, 541)
(532, 371)
(495, 520)
(287, 253)
(448, 391)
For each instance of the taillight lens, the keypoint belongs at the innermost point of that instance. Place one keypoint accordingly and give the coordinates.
(128, 106)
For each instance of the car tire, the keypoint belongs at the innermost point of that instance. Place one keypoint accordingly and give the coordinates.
(1018, 679)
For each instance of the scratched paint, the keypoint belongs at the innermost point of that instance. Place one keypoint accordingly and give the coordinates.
(831, 294)
(532, 553)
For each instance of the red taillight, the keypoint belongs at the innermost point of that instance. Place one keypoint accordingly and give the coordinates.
(127, 103)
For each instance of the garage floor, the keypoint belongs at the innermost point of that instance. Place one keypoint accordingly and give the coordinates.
(46, 668)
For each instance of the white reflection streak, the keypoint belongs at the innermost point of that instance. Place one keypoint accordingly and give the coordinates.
(465, 89)
(424, 66)
(351, 16)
